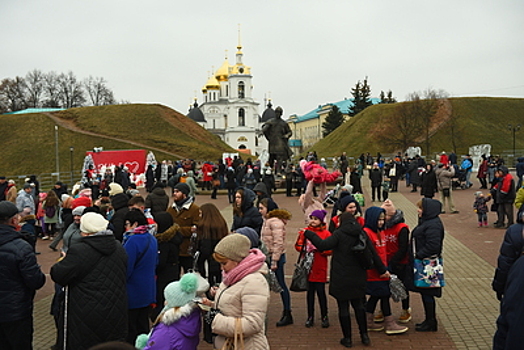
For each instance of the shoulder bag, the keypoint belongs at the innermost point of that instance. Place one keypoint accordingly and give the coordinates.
(361, 251)
(429, 272)
(299, 281)
(237, 341)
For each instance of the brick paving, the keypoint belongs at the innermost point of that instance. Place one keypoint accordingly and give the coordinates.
(467, 311)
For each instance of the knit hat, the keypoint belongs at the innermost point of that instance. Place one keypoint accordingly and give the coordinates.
(344, 202)
(115, 188)
(234, 247)
(271, 205)
(348, 188)
(181, 292)
(7, 210)
(164, 220)
(182, 187)
(321, 214)
(92, 223)
(79, 210)
(389, 207)
(251, 234)
(81, 201)
(478, 193)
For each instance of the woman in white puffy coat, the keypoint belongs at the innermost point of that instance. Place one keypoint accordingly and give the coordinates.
(243, 293)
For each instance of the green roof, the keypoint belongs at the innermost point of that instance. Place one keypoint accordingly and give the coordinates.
(36, 110)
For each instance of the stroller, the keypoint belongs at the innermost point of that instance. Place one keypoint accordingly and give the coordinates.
(459, 181)
(331, 196)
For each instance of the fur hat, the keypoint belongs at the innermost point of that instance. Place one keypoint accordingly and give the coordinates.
(7, 210)
(234, 247)
(115, 188)
(181, 292)
(321, 214)
(182, 187)
(92, 223)
(81, 201)
(389, 207)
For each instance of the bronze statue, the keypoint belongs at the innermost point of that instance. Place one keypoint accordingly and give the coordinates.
(277, 133)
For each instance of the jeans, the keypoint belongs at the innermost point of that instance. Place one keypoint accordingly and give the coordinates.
(279, 273)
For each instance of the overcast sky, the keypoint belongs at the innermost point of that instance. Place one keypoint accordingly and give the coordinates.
(302, 52)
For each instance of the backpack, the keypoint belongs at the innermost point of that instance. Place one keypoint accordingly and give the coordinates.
(50, 211)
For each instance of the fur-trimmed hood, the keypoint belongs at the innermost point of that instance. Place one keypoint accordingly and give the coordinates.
(176, 313)
(168, 234)
(282, 214)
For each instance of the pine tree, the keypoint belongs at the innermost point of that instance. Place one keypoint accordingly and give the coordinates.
(334, 119)
(387, 99)
(361, 97)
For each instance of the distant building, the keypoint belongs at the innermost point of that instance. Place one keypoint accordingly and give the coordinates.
(229, 109)
(307, 129)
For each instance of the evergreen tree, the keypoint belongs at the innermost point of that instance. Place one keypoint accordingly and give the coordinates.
(387, 99)
(361, 97)
(334, 119)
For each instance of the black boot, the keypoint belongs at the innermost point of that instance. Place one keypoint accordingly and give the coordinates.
(364, 337)
(286, 319)
(430, 323)
(345, 324)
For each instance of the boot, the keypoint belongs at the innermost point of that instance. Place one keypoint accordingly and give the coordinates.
(430, 323)
(392, 327)
(310, 322)
(405, 316)
(372, 326)
(364, 338)
(325, 322)
(379, 317)
(286, 319)
(346, 342)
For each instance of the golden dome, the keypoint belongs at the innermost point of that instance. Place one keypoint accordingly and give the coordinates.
(223, 72)
(212, 83)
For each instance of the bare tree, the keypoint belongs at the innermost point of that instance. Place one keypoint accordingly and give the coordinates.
(14, 94)
(52, 90)
(71, 91)
(35, 88)
(402, 129)
(98, 92)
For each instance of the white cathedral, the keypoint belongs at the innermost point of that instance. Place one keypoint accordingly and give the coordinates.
(229, 109)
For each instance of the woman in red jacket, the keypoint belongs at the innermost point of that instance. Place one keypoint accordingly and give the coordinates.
(318, 275)
(378, 285)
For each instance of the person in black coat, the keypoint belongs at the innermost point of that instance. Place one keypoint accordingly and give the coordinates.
(168, 268)
(427, 239)
(94, 274)
(244, 211)
(21, 276)
(508, 284)
(375, 176)
(347, 276)
(231, 184)
(119, 203)
(428, 180)
(157, 200)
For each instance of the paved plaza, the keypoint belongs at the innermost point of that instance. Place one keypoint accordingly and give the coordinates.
(466, 312)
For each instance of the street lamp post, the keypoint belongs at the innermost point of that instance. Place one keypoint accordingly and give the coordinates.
(56, 154)
(514, 129)
(71, 149)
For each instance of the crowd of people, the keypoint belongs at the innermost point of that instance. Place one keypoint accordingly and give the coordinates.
(154, 271)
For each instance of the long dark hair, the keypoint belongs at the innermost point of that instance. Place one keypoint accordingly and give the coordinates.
(237, 209)
(212, 224)
(52, 199)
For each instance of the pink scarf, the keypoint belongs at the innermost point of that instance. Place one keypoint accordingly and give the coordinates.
(248, 265)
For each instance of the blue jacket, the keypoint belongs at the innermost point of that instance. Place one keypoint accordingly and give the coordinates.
(20, 275)
(142, 258)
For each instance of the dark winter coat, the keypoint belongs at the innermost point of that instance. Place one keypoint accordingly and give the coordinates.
(510, 323)
(94, 271)
(428, 184)
(428, 237)
(119, 204)
(347, 277)
(157, 200)
(375, 175)
(510, 250)
(414, 176)
(251, 217)
(20, 275)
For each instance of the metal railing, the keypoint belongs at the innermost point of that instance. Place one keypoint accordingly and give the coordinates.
(47, 180)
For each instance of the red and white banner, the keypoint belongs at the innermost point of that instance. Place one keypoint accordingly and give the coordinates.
(134, 160)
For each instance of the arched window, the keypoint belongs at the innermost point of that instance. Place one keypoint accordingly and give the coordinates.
(241, 90)
(241, 117)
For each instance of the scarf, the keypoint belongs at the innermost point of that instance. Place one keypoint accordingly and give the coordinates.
(184, 203)
(136, 231)
(248, 265)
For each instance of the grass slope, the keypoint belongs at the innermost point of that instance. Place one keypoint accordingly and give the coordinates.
(29, 139)
(480, 120)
